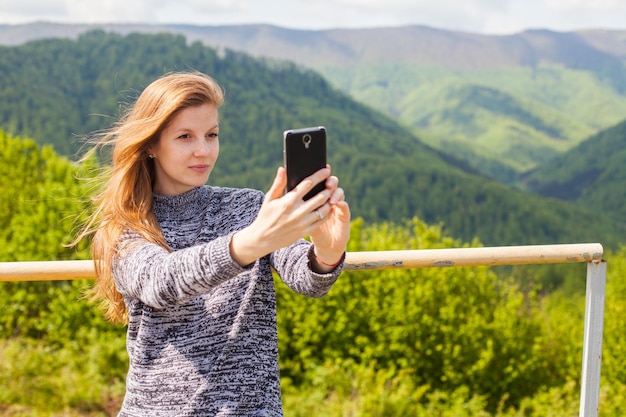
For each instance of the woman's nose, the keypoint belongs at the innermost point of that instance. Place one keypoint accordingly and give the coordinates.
(202, 148)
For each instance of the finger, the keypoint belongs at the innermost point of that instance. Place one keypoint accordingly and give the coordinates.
(332, 182)
(333, 193)
(343, 211)
(340, 208)
(319, 215)
(311, 181)
(280, 181)
(337, 195)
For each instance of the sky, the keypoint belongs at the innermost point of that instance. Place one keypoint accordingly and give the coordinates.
(478, 16)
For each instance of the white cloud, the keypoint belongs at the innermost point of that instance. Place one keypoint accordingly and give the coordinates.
(28, 10)
(567, 5)
(489, 16)
(111, 10)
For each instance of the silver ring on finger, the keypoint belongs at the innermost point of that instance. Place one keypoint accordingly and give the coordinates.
(319, 215)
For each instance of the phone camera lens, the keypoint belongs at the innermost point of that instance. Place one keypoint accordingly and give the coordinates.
(306, 139)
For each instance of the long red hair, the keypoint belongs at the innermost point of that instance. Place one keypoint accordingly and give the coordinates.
(124, 198)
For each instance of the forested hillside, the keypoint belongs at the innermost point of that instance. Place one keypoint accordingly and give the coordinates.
(57, 90)
(593, 174)
(504, 104)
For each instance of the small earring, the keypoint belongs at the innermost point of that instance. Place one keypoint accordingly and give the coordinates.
(151, 156)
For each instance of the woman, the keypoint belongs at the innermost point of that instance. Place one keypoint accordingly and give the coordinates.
(188, 266)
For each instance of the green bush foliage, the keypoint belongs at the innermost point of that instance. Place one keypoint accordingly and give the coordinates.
(448, 329)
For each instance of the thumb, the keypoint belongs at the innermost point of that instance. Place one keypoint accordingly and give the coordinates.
(280, 181)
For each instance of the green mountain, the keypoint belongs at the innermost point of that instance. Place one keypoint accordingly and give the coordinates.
(504, 104)
(56, 91)
(593, 174)
(470, 120)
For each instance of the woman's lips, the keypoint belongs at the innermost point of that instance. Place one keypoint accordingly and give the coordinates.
(199, 168)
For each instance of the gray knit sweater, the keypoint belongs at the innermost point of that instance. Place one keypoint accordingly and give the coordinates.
(202, 336)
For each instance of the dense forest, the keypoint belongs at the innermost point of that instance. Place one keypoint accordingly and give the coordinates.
(475, 342)
(57, 91)
(592, 174)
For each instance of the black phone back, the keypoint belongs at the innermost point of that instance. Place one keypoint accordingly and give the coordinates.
(305, 153)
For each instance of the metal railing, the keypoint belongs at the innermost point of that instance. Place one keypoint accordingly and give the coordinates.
(591, 253)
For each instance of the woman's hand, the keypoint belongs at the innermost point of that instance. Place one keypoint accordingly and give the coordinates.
(331, 236)
(283, 219)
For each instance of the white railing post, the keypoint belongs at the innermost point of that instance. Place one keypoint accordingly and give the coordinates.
(592, 347)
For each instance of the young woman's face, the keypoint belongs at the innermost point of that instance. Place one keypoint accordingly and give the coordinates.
(186, 151)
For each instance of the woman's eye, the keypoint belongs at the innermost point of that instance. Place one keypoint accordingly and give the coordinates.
(184, 136)
(212, 135)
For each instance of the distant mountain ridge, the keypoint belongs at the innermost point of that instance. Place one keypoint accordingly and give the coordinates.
(414, 44)
(558, 88)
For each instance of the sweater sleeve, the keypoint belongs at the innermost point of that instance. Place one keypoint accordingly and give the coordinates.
(161, 279)
(293, 266)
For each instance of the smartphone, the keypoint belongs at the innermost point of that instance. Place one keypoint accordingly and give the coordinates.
(304, 151)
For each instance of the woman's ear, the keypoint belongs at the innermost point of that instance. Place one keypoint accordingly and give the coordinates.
(150, 151)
